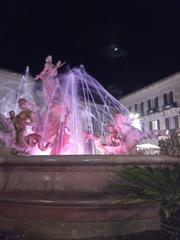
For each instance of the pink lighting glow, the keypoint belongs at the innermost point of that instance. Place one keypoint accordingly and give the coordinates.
(75, 115)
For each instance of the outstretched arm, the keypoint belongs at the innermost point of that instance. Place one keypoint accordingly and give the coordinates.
(59, 64)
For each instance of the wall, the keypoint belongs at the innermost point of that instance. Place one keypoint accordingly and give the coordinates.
(157, 89)
(71, 196)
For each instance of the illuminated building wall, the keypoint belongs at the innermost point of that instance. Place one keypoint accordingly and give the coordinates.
(158, 105)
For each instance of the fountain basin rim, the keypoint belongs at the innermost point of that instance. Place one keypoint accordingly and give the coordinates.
(89, 160)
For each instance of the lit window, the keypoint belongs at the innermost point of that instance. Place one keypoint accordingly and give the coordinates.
(154, 125)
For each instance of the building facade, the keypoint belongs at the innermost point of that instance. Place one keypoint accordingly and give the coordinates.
(158, 106)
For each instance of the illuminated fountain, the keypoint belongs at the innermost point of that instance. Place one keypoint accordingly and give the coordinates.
(73, 114)
(63, 196)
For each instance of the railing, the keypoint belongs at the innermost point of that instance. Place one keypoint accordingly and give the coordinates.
(153, 110)
(168, 106)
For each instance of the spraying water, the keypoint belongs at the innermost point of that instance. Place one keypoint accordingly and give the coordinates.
(79, 116)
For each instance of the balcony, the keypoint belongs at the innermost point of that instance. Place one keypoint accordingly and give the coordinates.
(142, 114)
(153, 110)
(168, 106)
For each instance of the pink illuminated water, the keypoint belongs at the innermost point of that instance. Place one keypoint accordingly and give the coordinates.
(76, 115)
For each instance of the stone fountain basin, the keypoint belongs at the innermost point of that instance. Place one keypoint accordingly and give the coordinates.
(70, 197)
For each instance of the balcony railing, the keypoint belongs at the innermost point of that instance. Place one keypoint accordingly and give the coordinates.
(168, 106)
(153, 110)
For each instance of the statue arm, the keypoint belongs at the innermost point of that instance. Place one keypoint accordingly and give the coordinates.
(59, 64)
(48, 69)
(43, 72)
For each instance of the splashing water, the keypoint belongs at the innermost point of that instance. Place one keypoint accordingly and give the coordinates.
(79, 116)
(23, 90)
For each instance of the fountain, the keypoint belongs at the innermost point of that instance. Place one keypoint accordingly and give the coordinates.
(87, 136)
(75, 115)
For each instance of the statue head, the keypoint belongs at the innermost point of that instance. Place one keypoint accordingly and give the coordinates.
(49, 59)
(12, 114)
(24, 103)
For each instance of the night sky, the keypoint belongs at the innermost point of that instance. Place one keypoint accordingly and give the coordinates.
(126, 43)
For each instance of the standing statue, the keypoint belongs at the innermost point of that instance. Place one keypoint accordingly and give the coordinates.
(54, 131)
(49, 77)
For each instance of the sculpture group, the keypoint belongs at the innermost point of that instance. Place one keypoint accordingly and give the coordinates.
(29, 132)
